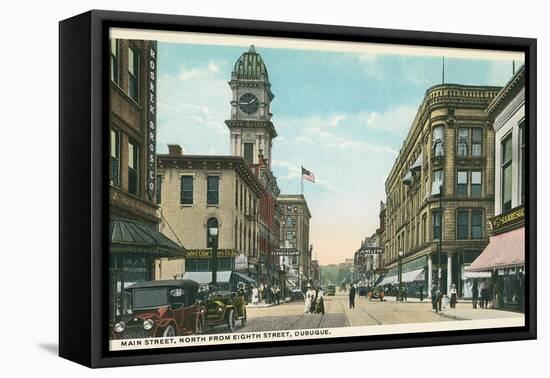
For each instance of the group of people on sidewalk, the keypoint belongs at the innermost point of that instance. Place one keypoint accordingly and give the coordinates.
(480, 294)
(314, 301)
(265, 293)
(437, 297)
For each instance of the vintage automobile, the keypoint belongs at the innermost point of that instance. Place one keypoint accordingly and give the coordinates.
(297, 295)
(163, 308)
(225, 308)
(362, 291)
(376, 293)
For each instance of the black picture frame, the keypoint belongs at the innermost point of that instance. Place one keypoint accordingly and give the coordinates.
(83, 196)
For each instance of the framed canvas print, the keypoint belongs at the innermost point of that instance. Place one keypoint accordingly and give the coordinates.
(234, 188)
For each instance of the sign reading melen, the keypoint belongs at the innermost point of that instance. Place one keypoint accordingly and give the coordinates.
(152, 118)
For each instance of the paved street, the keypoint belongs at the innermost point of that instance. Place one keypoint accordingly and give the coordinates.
(289, 316)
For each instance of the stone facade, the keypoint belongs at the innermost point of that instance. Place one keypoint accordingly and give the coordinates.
(450, 144)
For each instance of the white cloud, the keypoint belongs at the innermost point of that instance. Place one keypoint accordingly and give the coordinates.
(396, 121)
(194, 103)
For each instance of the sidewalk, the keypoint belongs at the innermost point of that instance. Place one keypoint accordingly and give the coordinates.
(417, 300)
(469, 313)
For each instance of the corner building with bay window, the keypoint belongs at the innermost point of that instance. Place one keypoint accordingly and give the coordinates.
(440, 191)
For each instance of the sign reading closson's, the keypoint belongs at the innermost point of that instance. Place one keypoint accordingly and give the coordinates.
(151, 117)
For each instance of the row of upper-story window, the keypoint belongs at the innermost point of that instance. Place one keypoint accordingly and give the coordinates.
(469, 141)
(187, 191)
(469, 225)
(244, 200)
(133, 159)
(133, 59)
(468, 183)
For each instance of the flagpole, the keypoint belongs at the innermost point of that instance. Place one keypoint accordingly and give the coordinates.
(302, 179)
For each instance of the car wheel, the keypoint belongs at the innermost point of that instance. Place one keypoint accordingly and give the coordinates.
(169, 331)
(243, 320)
(231, 320)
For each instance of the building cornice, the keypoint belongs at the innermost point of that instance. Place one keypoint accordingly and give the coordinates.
(213, 162)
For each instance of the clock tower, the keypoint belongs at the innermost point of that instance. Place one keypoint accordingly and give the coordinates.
(250, 126)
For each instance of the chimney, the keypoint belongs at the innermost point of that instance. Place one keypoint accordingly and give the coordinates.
(174, 149)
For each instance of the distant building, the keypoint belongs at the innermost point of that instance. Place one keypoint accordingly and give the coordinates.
(448, 158)
(295, 216)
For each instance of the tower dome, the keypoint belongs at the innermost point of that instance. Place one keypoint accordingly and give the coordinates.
(250, 65)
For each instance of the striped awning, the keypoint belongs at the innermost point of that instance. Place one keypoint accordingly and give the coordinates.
(503, 251)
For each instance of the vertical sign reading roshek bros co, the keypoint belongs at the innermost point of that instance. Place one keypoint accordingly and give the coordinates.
(152, 117)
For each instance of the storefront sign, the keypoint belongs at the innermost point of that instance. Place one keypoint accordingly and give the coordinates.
(509, 220)
(151, 118)
(370, 250)
(241, 262)
(285, 252)
(207, 253)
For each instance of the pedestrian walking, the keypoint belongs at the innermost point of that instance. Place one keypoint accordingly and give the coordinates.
(433, 291)
(310, 297)
(483, 293)
(453, 296)
(278, 295)
(421, 293)
(352, 296)
(320, 302)
(255, 295)
(475, 294)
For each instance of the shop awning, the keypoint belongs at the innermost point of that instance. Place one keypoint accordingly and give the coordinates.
(388, 281)
(244, 277)
(204, 278)
(503, 251)
(412, 276)
(133, 237)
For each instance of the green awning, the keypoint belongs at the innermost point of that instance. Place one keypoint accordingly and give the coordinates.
(133, 237)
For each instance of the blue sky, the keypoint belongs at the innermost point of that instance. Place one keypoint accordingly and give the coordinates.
(341, 115)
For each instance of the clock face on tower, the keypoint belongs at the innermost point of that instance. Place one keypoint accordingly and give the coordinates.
(249, 103)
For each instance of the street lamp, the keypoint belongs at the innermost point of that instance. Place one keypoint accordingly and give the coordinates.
(213, 233)
(400, 274)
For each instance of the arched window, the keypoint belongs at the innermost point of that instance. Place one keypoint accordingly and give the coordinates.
(211, 223)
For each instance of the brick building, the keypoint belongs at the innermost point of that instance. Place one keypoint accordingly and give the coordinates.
(135, 241)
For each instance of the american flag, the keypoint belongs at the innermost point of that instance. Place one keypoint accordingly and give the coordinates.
(309, 176)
